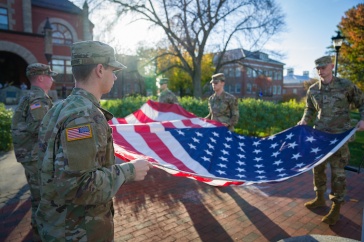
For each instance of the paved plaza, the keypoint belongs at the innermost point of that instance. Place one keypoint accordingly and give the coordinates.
(168, 208)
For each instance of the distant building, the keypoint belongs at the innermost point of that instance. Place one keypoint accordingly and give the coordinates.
(40, 31)
(293, 84)
(255, 75)
(129, 81)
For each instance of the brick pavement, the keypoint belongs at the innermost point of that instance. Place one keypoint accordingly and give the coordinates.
(167, 208)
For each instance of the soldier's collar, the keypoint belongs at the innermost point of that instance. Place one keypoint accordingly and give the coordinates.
(329, 84)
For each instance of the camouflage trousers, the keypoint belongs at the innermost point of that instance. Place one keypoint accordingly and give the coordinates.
(337, 162)
(31, 173)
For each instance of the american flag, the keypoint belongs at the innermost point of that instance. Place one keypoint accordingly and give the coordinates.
(35, 105)
(185, 145)
(77, 133)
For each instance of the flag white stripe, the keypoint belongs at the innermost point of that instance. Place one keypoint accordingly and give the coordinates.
(179, 152)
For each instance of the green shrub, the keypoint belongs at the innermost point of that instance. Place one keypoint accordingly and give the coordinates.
(257, 117)
(5, 128)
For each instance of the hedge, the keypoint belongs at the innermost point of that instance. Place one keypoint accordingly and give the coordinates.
(5, 128)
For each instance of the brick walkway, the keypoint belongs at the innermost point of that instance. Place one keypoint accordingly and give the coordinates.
(167, 208)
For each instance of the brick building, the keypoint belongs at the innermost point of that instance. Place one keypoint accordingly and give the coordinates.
(293, 86)
(254, 75)
(40, 31)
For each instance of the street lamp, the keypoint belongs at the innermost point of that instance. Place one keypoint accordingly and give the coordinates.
(337, 42)
(48, 46)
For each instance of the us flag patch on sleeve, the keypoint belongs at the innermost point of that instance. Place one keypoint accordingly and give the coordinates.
(35, 105)
(80, 132)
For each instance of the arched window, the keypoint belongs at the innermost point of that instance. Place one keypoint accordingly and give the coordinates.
(61, 34)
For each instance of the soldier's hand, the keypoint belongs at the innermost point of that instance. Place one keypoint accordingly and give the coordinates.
(360, 125)
(302, 122)
(142, 167)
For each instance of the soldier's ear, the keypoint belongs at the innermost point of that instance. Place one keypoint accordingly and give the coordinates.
(99, 70)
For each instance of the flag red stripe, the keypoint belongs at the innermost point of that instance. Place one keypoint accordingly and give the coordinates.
(163, 151)
(170, 108)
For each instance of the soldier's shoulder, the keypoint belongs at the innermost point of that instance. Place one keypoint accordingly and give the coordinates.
(229, 96)
(170, 91)
(315, 86)
(344, 82)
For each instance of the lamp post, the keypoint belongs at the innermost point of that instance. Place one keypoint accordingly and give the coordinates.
(337, 42)
(48, 48)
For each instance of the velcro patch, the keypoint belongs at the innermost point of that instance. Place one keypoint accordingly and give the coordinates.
(80, 132)
(35, 106)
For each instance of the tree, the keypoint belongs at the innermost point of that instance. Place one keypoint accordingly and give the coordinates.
(351, 57)
(196, 27)
(308, 83)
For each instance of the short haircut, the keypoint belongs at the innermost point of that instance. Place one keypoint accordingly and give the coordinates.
(81, 73)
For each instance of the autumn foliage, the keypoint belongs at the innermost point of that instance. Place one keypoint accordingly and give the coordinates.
(352, 52)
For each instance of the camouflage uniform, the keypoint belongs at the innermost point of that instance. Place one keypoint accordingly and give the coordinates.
(25, 126)
(167, 96)
(224, 108)
(331, 105)
(78, 175)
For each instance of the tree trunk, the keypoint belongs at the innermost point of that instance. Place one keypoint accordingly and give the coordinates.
(197, 90)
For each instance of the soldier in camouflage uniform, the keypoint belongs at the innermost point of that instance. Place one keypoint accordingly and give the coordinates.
(223, 106)
(79, 176)
(166, 95)
(25, 126)
(328, 101)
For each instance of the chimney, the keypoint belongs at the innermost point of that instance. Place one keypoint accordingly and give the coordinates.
(290, 71)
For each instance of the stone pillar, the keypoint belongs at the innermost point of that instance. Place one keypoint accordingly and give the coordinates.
(27, 16)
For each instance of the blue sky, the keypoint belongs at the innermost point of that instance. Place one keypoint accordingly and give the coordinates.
(310, 24)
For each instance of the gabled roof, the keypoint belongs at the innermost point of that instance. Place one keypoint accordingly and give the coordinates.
(61, 5)
(294, 79)
(249, 55)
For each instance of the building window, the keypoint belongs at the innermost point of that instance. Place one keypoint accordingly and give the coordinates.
(270, 74)
(4, 21)
(226, 72)
(294, 91)
(231, 72)
(136, 88)
(255, 73)
(237, 88)
(279, 90)
(237, 72)
(249, 88)
(61, 34)
(274, 90)
(64, 70)
(249, 72)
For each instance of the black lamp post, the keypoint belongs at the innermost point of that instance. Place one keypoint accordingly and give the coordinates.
(48, 48)
(337, 42)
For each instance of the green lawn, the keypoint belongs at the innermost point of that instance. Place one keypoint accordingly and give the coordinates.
(357, 146)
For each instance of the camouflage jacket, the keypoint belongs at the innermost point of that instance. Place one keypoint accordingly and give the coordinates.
(26, 121)
(224, 108)
(331, 105)
(78, 175)
(167, 96)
